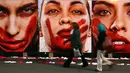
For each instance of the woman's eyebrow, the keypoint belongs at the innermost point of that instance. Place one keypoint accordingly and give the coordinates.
(54, 2)
(126, 4)
(76, 2)
(27, 5)
(104, 3)
(4, 8)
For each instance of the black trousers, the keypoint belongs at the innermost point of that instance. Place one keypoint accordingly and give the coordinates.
(68, 61)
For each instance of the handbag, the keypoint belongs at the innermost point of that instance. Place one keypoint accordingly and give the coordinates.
(76, 52)
(107, 43)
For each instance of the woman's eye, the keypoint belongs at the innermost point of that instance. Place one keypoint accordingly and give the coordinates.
(78, 12)
(53, 11)
(128, 12)
(103, 12)
(27, 11)
(3, 12)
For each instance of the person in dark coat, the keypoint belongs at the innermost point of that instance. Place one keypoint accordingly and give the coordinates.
(75, 43)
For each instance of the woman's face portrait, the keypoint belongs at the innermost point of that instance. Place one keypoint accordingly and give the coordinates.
(18, 23)
(56, 19)
(115, 15)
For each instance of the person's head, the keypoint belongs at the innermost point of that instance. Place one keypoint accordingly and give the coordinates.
(18, 23)
(56, 19)
(75, 25)
(115, 15)
(101, 28)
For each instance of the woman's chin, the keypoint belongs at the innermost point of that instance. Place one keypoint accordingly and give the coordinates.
(13, 50)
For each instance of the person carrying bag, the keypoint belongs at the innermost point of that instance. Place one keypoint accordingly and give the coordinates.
(76, 46)
(101, 44)
(107, 43)
(77, 52)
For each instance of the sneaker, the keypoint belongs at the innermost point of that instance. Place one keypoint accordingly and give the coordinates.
(97, 70)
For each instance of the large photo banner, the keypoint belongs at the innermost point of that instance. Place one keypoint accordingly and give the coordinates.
(115, 15)
(44, 25)
(18, 25)
(56, 18)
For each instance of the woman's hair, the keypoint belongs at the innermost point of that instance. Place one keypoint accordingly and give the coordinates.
(75, 25)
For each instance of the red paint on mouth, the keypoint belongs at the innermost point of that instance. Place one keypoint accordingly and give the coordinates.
(119, 47)
(65, 33)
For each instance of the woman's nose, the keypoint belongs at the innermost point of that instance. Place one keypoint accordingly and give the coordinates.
(65, 20)
(118, 25)
(12, 28)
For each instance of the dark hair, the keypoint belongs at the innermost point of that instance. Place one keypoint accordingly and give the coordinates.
(75, 25)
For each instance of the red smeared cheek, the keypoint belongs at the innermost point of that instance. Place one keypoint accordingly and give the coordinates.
(95, 23)
(95, 30)
(2, 34)
(49, 28)
(57, 42)
(83, 29)
(81, 22)
(31, 28)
